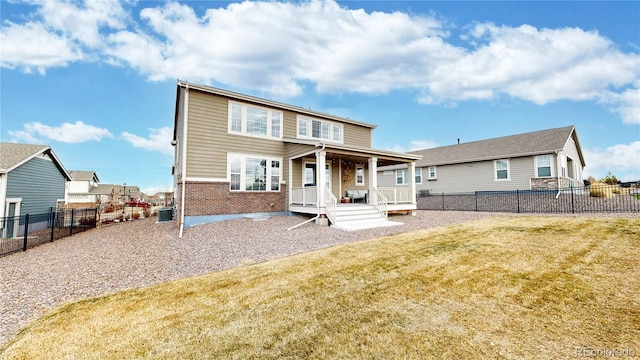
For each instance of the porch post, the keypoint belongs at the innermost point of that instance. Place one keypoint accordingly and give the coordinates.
(321, 160)
(290, 183)
(412, 179)
(373, 180)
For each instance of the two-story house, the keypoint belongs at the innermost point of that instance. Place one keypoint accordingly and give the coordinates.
(237, 154)
(545, 159)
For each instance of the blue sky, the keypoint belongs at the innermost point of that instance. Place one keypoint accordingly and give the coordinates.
(96, 80)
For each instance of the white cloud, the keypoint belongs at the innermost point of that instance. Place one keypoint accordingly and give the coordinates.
(622, 160)
(413, 146)
(77, 132)
(280, 47)
(82, 22)
(60, 32)
(537, 65)
(158, 140)
(32, 47)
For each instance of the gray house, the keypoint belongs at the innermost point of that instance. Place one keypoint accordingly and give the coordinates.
(32, 181)
(546, 159)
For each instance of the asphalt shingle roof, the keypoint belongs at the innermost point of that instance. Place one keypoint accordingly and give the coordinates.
(12, 154)
(537, 142)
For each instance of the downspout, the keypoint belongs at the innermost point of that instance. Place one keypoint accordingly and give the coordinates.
(184, 158)
(317, 206)
(557, 172)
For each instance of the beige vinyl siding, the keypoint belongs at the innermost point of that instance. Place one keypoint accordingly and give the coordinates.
(290, 124)
(335, 178)
(571, 151)
(389, 180)
(209, 141)
(476, 176)
(355, 135)
(179, 148)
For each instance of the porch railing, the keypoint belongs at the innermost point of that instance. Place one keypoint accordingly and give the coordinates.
(396, 195)
(381, 203)
(332, 205)
(307, 195)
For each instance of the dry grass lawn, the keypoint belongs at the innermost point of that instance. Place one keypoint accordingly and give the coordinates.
(504, 287)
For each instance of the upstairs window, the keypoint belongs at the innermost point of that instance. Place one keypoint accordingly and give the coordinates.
(309, 128)
(543, 166)
(254, 121)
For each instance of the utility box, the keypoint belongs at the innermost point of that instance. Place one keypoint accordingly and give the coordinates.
(165, 214)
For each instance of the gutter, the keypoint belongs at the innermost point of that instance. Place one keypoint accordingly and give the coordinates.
(184, 158)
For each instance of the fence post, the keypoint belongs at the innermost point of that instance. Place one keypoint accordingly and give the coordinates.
(95, 218)
(476, 196)
(71, 224)
(518, 200)
(26, 232)
(442, 201)
(572, 202)
(52, 216)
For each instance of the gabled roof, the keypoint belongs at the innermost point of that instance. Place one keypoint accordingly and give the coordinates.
(83, 175)
(527, 144)
(12, 155)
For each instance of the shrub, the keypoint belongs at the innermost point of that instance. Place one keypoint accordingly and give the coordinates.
(146, 212)
(136, 216)
(601, 190)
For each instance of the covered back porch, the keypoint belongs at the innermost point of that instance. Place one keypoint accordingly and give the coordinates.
(328, 179)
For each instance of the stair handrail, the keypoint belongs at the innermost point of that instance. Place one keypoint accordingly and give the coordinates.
(382, 203)
(332, 205)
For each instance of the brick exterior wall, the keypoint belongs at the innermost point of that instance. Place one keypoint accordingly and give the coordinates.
(206, 198)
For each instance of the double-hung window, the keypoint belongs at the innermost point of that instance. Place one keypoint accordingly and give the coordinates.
(402, 177)
(501, 169)
(251, 120)
(253, 173)
(360, 175)
(309, 128)
(432, 173)
(418, 175)
(543, 166)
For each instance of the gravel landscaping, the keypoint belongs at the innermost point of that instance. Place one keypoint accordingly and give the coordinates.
(144, 252)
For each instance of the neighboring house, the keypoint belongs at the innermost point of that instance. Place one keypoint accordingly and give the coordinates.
(81, 190)
(546, 159)
(85, 191)
(237, 154)
(32, 181)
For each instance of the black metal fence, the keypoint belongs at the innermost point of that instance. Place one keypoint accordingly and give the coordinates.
(18, 233)
(593, 198)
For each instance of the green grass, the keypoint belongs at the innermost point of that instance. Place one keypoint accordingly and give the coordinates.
(506, 287)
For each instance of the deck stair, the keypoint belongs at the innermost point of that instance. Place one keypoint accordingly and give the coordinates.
(351, 217)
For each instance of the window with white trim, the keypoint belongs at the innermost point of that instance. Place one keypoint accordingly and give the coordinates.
(252, 173)
(402, 177)
(320, 129)
(501, 169)
(543, 166)
(432, 173)
(360, 175)
(418, 175)
(251, 120)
